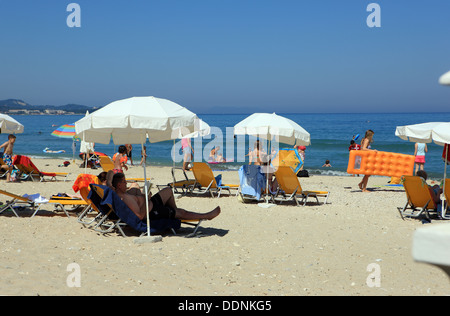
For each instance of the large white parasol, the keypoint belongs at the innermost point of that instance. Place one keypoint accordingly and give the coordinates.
(8, 125)
(267, 126)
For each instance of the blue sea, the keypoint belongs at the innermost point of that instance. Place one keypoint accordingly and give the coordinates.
(330, 139)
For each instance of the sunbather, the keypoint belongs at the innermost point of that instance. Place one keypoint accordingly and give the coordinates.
(435, 190)
(161, 205)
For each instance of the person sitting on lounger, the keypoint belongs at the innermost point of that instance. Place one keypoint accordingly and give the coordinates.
(161, 205)
(435, 190)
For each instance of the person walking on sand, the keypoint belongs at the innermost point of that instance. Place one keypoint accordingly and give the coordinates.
(161, 205)
(129, 148)
(7, 155)
(143, 156)
(188, 152)
(419, 152)
(365, 145)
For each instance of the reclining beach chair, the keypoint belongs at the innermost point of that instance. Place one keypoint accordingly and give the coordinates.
(204, 179)
(30, 171)
(252, 182)
(419, 198)
(63, 204)
(116, 214)
(16, 201)
(36, 204)
(179, 186)
(3, 172)
(106, 163)
(290, 189)
(447, 197)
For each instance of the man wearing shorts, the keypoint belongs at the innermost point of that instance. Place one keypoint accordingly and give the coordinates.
(161, 205)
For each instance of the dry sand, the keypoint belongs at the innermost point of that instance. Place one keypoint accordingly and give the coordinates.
(247, 250)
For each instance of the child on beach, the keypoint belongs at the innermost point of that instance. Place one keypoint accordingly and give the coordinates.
(354, 146)
(365, 145)
(120, 159)
(327, 164)
(419, 152)
(7, 155)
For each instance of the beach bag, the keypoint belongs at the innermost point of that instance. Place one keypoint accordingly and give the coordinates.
(303, 174)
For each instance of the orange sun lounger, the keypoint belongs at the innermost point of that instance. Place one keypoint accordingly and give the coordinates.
(380, 163)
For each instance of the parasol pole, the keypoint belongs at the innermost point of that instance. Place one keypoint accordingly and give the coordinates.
(146, 195)
(148, 238)
(443, 199)
(266, 204)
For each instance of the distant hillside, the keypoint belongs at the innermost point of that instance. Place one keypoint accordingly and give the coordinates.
(16, 106)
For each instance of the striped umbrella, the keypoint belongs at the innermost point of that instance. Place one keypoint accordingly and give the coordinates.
(65, 131)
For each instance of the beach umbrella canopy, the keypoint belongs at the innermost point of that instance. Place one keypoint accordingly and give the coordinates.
(201, 129)
(267, 126)
(445, 79)
(65, 131)
(8, 125)
(136, 119)
(438, 132)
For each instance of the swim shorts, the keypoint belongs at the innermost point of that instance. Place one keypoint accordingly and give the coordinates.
(8, 160)
(420, 159)
(159, 210)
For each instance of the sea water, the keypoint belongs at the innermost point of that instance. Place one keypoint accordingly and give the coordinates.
(330, 139)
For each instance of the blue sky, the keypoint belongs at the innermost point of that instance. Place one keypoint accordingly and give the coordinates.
(212, 56)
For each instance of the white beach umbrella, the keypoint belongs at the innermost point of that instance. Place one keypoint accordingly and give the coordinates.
(267, 126)
(201, 129)
(134, 120)
(8, 125)
(422, 133)
(445, 79)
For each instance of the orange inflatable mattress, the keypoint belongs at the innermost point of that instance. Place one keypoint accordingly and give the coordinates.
(380, 163)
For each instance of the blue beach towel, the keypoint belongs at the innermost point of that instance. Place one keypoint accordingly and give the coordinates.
(122, 211)
(252, 180)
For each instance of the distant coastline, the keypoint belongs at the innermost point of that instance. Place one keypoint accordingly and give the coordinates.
(20, 107)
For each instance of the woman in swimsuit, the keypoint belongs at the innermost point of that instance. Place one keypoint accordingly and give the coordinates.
(365, 145)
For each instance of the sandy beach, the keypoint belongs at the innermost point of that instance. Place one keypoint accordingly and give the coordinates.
(247, 250)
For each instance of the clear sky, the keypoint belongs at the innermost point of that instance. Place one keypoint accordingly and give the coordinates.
(215, 56)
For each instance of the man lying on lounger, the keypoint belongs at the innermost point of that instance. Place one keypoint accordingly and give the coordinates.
(161, 205)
